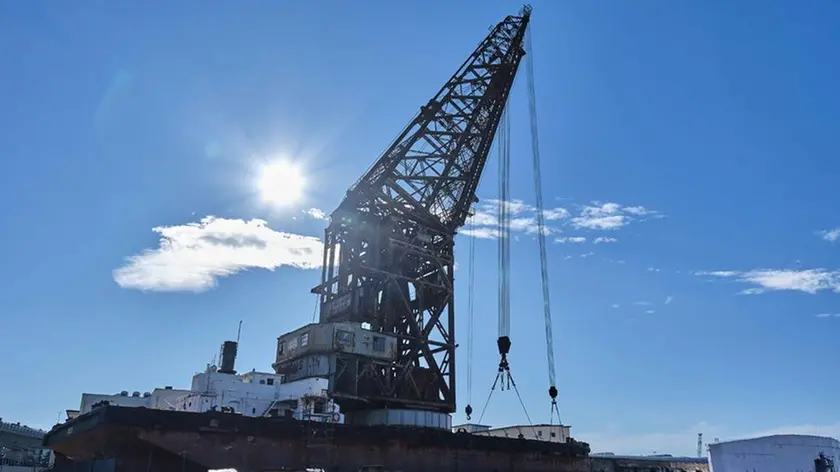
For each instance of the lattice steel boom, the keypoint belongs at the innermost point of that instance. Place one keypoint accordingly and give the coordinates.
(388, 258)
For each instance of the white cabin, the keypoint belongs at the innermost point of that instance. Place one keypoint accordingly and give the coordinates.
(249, 394)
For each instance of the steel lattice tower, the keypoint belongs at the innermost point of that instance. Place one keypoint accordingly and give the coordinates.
(388, 258)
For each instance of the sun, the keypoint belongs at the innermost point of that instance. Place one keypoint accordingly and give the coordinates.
(280, 183)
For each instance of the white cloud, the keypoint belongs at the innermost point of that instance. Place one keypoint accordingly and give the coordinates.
(527, 225)
(514, 207)
(682, 441)
(831, 235)
(595, 216)
(587, 254)
(609, 216)
(828, 315)
(600, 222)
(638, 210)
(481, 233)
(766, 280)
(643, 303)
(615, 305)
(191, 257)
(668, 300)
(570, 239)
(481, 218)
(653, 269)
(650, 312)
(600, 209)
(555, 214)
(317, 213)
(485, 219)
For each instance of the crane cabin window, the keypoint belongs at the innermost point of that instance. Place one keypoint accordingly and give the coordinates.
(293, 344)
(379, 344)
(304, 339)
(343, 338)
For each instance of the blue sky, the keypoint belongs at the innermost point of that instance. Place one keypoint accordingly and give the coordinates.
(700, 136)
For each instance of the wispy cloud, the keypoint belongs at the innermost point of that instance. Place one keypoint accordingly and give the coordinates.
(610, 216)
(317, 213)
(718, 273)
(643, 303)
(831, 235)
(554, 214)
(668, 300)
(766, 280)
(570, 239)
(828, 315)
(650, 312)
(615, 305)
(587, 254)
(482, 233)
(193, 256)
(653, 269)
(523, 219)
(594, 216)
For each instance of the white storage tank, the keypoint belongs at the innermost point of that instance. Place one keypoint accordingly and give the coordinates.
(778, 453)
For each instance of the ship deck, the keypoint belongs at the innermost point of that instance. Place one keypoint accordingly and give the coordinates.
(124, 439)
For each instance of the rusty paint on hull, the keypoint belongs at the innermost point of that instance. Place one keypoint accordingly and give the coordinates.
(137, 438)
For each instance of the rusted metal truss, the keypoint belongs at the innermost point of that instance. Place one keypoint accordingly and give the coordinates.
(388, 258)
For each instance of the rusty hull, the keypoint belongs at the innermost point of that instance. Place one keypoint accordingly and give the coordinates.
(140, 439)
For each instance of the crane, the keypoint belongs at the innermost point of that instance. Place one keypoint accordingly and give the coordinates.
(389, 247)
(504, 379)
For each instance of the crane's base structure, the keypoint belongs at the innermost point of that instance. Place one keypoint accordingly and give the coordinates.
(125, 439)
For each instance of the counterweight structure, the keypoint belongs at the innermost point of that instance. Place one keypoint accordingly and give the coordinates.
(388, 260)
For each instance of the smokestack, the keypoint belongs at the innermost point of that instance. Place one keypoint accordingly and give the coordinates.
(228, 357)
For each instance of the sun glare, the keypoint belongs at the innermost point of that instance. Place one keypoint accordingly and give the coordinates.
(281, 183)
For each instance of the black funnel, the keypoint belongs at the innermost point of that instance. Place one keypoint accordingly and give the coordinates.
(228, 357)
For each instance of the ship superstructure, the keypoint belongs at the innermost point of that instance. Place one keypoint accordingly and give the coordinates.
(221, 388)
(21, 447)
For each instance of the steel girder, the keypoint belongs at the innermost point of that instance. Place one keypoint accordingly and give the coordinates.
(388, 258)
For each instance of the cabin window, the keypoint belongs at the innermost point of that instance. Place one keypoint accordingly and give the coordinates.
(269, 381)
(379, 344)
(262, 381)
(343, 338)
(539, 433)
(553, 435)
(293, 344)
(304, 339)
(253, 411)
(280, 347)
